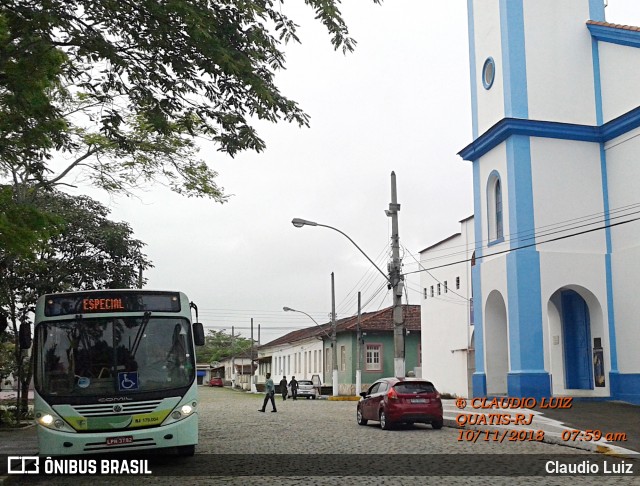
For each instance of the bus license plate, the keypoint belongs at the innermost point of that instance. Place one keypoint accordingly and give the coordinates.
(127, 439)
(418, 400)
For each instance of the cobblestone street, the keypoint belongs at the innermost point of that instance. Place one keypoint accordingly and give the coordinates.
(231, 424)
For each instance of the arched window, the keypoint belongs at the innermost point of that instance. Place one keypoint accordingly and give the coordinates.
(494, 208)
(498, 209)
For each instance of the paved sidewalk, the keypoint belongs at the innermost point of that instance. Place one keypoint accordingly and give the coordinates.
(601, 417)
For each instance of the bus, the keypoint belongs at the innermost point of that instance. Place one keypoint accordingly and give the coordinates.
(115, 371)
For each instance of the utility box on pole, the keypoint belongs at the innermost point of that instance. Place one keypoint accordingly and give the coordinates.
(397, 282)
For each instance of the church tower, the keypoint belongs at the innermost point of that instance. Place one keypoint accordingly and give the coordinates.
(547, 110)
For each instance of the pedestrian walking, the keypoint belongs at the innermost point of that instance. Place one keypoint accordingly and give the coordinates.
(294, 388)
(283, 388)
(270, 389)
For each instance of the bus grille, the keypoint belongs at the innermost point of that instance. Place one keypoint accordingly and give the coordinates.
(102, 409)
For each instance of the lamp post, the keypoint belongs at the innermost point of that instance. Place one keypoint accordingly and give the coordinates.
(395, 279)
(332, 337)
(394, 282)
(299, 223)
(289, 309)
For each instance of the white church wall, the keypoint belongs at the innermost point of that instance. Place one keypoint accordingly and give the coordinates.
(488, 44)
(626, 268)
(619, 74)
(559, 66)
(562, 199)
(624, 186)
(623, 178)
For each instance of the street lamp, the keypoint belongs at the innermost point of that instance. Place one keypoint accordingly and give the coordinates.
(299, 223)
(333, 342)
(394, 279)
(289, 309)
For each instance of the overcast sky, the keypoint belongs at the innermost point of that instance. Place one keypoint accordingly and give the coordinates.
(400, 102)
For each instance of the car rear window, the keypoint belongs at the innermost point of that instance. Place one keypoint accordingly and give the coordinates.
(305, 382)
(415, 387)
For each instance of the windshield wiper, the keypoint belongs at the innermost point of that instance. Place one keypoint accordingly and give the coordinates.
(140, 333)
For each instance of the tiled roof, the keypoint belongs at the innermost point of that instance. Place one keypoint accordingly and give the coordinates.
(614, 26)
(381, 320)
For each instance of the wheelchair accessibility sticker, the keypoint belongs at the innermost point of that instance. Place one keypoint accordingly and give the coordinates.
(128, 381)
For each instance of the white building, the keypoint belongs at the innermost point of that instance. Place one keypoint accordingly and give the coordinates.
(556, 125)
(298, 353)
(448, 358)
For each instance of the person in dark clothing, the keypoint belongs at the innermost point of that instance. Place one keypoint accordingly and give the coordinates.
(294, 388)
(270, 389)
(283, 388)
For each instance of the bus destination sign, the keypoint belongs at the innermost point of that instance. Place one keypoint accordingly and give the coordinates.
(110, 301)
(91, 305)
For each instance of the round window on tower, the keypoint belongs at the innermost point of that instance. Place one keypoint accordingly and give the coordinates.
(488, 73)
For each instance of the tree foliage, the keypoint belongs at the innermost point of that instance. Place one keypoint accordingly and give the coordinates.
(7, 361)
(122, 88)
(81, 249)
(220, 345)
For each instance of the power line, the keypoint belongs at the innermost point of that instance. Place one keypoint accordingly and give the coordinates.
(370, 275)
(526, 246)
(542, 231)
(433, 277)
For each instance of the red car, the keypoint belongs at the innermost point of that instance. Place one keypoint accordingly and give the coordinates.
(216, 382)
(400, 400)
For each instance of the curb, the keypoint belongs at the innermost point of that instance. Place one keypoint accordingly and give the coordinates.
(344, 399)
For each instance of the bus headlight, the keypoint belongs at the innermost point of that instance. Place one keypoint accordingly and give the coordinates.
(181, 412)
(58, 424)
(46, 419)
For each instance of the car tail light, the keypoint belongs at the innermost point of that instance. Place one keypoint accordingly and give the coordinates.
(392, 394)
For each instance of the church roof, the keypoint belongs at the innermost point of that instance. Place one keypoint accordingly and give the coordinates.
(613, 26)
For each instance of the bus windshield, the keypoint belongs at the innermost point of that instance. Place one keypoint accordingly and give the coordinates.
(113, 355)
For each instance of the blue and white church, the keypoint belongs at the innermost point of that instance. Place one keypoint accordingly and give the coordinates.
(556, 177)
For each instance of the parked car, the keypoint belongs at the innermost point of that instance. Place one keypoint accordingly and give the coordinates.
(400, 400)
(307, 389)
(216, 381)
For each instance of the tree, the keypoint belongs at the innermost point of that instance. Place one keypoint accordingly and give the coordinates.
(7, 363)
(220, 345)
(83, 250)
(123, 88)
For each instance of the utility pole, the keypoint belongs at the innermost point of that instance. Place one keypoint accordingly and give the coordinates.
(334, 339)
(252, 376)
(233, 359)
(397, 282)
(358, 352)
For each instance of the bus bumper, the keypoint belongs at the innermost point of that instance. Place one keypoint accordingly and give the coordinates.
(178, 434)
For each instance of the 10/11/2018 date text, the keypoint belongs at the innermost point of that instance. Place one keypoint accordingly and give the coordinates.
(508, 435)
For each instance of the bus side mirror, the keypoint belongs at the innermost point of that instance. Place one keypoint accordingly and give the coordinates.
(24, 335)
(198, 333)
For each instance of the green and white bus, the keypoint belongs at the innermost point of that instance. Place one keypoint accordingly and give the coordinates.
(115, 371)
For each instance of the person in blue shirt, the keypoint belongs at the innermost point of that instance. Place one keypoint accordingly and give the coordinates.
(270, 389)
